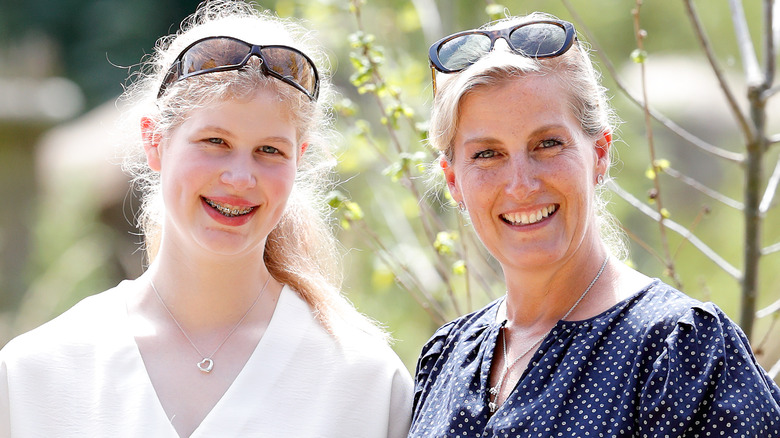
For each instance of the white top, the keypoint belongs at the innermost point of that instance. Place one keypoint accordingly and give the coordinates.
(81, 374)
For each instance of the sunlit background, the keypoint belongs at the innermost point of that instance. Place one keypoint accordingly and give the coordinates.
(67, 229)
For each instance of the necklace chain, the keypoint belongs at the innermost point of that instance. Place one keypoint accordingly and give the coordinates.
(207, 363)
(494, 391)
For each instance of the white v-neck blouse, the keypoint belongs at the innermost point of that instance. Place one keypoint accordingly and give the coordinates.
(81, 374)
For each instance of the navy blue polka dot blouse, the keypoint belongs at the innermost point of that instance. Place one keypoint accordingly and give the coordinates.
(659, 364)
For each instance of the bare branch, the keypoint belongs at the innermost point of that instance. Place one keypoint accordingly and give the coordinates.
(679, 229)
(657, 116)
(745, 126)
(771, 189)
(768, 310)
(771, 249)
(769, 44)
(703, 189)
(640, 36)
(746, 50)
(774, 371)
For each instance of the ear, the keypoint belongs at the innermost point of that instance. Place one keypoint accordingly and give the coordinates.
(302, 151)
(151, 143)
(449, 176)
(603, 145)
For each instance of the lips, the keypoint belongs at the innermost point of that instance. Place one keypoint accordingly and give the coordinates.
(527, 218)
(229, 210)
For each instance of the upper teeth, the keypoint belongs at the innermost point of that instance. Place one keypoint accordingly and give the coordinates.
(229, 210)
(529, 218)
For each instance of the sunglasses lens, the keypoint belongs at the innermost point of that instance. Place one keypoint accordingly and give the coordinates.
(462, 51)
(538, 40)
(291, 66)
(217, 52)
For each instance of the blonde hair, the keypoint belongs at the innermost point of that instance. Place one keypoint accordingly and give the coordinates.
(574, 69)
(301, 250)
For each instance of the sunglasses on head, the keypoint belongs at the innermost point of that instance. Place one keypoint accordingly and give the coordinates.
(222, 53)
(533, 39)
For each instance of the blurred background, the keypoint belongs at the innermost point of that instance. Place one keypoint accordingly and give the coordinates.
(67, 229)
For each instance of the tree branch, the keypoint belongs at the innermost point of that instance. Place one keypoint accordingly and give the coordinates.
(746, 127)
(768, 310)
(771, 189)
(769, 45)
(771, 249)
(774, 371)
(745, 43)
(704, 189)
(679, 229)
(657, 116)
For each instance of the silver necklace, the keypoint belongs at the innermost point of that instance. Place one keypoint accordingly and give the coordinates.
(493, 404)
(207, 363)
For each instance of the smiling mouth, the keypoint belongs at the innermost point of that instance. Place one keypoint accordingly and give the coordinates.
(228, 210)
(529, 218)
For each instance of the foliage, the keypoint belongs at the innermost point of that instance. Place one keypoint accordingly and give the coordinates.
(412, 259)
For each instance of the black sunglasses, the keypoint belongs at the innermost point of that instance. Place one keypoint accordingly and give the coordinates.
(223, 53)
(533, 39)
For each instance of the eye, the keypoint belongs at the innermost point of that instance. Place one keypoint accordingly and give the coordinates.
(550, 142)
(269, 150)
(487, 153)
(215, 140)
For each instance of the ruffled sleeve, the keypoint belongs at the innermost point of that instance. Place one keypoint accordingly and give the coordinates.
(707, 383)
(425, 371)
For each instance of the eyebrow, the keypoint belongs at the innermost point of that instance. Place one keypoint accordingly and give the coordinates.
(488, 140)
(271, 139)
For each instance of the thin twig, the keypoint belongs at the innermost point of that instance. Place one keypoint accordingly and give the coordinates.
(679, 229)
(640, 36)
(771, 189)
(703, 189)
(439, 314)
(745, 126)
(657, 116)
(702, 212)
(771, 249)
(646, 246)
(774, 371)
(768, 310)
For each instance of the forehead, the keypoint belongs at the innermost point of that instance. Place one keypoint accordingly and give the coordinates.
(513, 109)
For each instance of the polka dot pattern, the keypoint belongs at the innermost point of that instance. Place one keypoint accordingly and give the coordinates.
(659, 364)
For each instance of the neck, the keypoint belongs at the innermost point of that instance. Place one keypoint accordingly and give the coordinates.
(209, 295)
(542, 297)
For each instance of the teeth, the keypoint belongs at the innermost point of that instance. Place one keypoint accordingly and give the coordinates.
(528, 219)
(229, 210)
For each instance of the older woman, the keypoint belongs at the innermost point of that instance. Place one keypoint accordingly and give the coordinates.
(581, 345)
(238, 328)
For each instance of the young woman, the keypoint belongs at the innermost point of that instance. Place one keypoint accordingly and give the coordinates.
(581, 345)
(238, 327)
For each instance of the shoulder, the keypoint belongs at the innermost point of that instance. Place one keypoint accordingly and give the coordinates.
(346, 344)
(705, 359)
(83, 325)
(465, 333)
(464, 327)
(660, 308)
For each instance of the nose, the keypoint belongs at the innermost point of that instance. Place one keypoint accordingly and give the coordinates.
(521, 179)
(239, 174)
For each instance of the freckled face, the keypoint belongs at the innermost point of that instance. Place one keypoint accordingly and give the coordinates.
(226, 174)
(526, 172)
